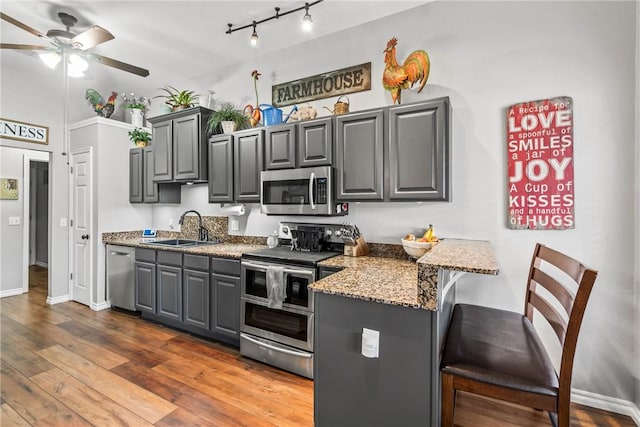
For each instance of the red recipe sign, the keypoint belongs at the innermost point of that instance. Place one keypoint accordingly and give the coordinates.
(540, 153)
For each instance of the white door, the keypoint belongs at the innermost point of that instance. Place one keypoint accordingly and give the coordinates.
(82, 217)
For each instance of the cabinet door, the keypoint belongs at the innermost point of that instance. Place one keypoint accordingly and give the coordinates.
(196, 298)
(419, 151)
(149, 186)
(169, 284)
(226, 308)
(248, 163)
(145, 286)
(359, 156)
(280, 147)
(315, 142)
(221, 169)
(135, 176)
(162, 151)
(186, 144)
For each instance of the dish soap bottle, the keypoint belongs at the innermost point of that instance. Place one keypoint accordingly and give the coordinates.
(272, 240)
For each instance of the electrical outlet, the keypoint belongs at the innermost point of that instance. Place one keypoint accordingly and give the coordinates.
(14, 220)
(63, 222)
(234, 224)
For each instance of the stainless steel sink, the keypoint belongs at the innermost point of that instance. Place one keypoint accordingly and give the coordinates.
(181, 242)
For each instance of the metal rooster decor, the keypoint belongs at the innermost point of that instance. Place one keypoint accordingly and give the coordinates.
(397, 77)
(103, 109)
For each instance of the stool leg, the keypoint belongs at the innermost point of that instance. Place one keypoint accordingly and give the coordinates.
(448, 400)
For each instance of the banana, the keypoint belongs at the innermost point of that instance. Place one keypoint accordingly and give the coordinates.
(428, 235)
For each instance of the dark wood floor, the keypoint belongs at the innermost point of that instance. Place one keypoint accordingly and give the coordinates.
(68, 365)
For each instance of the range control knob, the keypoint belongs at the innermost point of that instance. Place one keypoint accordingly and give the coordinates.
(338, 233)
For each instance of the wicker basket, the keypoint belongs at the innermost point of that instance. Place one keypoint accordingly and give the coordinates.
(341, 107)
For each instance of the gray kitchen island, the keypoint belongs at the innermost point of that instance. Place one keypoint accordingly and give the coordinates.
(408, 304)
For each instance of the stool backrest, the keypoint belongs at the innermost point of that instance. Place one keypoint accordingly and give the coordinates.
(570, 283)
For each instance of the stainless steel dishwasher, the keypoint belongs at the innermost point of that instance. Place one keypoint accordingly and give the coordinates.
(120, 276)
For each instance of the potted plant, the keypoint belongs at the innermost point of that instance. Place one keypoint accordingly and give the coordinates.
(140, 137)
(178, 99)
(227, 118)
(137, 105)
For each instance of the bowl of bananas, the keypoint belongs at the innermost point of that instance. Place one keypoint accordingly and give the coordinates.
(415, 247)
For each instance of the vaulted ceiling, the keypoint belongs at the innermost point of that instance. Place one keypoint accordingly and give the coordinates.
(177, 40)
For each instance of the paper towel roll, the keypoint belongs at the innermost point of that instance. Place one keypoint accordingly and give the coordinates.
(237, 210)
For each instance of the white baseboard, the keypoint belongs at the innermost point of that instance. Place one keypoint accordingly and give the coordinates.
(57, 300)
(41, 264)
(11, 292)
(100, 306)
(606, 403)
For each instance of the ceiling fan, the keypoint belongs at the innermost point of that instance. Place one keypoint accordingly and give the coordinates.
(65, 40)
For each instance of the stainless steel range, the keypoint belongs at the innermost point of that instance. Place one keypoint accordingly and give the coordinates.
(280, 333)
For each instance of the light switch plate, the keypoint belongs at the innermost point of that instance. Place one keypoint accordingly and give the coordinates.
(14, 220)
(63, 222)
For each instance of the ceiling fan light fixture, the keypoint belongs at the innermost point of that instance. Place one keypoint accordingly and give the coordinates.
(76, 66)
(50, 59)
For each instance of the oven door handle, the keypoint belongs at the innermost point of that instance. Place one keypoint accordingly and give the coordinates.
(254, 266)
(271, 347)
(312, 184)
(299, 272)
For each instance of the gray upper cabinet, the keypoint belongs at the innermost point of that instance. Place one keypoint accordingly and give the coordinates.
(135, 176)
(315, 142)
(359, 156)
(180, 145)
(221, 169)
(247, 165)
(302, 144)
(418, 151)
(142, 187)
(280, 147)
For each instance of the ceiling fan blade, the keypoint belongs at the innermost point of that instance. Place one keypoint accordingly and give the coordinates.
(23, 47)
(90, 38)
(120, 65)
(23, 26)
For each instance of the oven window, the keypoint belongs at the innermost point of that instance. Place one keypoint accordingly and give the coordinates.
(292, 325)
(256, 283)
(297, 292)
(286, 192)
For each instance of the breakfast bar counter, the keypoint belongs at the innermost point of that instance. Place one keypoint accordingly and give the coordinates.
(408, 305)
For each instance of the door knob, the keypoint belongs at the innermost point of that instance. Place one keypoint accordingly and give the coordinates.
(85, 237)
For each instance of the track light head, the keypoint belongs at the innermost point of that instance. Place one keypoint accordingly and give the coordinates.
(307, 22)
(254, 36)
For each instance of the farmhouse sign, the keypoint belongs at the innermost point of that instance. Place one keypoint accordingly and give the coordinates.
(540, 164)
(20, 131)
(339, 82)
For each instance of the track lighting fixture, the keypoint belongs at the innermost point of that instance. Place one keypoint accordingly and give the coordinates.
(254, 36)
(307, 22)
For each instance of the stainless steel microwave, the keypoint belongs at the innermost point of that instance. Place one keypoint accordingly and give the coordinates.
(303, 191)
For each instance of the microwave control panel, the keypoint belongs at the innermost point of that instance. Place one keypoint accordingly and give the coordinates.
(321, 191)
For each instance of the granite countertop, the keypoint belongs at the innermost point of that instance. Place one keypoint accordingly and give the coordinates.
(225, 249)
(406, 283)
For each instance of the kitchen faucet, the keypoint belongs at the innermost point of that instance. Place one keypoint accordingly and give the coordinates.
(203, 234)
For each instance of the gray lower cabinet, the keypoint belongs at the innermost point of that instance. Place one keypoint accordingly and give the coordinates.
(225, 300)
(142, 187)
(145, 280)
(359, 156)
(221, 169)
(395, 389)
(169, 285)
(418, 151)
(196, 293)
(247, 165)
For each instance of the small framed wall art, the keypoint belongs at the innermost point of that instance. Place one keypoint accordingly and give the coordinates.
(8, 189)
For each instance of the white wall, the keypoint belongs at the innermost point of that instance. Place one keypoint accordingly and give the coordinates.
(486, 56)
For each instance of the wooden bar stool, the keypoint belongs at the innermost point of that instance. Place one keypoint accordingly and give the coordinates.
(497, 353)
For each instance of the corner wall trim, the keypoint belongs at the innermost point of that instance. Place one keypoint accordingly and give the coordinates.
(100, 306)
(57, 300)
(11, 292)
(611, 404)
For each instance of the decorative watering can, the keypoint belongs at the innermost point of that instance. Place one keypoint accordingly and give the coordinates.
(340, 107)
(273, 116)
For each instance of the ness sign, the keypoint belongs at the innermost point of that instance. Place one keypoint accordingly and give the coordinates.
(346, 80)
(11, 129)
